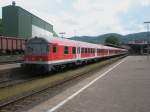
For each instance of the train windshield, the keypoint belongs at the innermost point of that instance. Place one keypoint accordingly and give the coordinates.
(37, 48)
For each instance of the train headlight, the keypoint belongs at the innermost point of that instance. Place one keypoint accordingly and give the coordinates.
(33, 59)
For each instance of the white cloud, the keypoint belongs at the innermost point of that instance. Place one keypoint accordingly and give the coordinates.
(87, 17)
(145, 2)
(59, 1)
(101, 15)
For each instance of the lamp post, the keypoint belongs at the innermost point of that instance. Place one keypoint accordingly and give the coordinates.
(62, 34)
(148, 47)
(13, 3)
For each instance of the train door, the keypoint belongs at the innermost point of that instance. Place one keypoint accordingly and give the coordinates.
(96, 51)
(78, 53)
(54, 52)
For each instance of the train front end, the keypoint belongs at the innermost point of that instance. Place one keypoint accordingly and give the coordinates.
(37, 55)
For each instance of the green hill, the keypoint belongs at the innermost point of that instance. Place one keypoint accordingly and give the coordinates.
(96, 39)
(123, 38)
(136, 36)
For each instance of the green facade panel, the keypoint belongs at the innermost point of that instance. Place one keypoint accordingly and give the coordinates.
(18, 22)
(10, 21)
(24, 25)
(42, 24)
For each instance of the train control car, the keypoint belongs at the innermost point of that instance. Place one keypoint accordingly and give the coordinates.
(48, 54)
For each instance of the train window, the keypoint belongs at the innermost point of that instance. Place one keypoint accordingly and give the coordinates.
(29, 50)
(37, 48)
(85, 50)
(73, 50)
(66, 50)
(47, 49)
(106, 51)
(42, 48)
(82, 50)
(98, 51)
(54, 49)
(93, 50)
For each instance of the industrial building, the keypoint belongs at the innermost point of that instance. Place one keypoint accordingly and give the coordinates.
(18, 22)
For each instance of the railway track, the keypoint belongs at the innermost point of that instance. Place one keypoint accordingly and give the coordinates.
(9, 73)
(14, 76)
(3, 82)
(36, 94)
(10, 59)
(11, 62)
(17, 102)
(10, 82)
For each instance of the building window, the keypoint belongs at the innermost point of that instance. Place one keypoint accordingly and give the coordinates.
(66, 50)
(54, 49)
(73, 50)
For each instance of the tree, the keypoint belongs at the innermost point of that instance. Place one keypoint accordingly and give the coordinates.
(1, 27)
(112, 40)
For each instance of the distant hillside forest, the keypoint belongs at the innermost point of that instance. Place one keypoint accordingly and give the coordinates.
(122, 38)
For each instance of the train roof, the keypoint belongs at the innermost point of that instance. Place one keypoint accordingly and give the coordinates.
(68, 42)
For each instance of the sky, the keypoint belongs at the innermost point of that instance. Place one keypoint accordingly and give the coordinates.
(89, 17)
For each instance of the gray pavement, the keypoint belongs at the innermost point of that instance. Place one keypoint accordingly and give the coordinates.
(126, 88)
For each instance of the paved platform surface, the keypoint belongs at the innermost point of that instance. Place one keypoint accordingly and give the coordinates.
(123, 87)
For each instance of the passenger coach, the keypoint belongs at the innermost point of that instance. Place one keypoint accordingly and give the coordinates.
(48, 54)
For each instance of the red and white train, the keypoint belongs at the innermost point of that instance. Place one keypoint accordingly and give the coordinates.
(47, 54)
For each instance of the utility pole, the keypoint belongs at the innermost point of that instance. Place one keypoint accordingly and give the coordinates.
(13, 3)
(75, 35)
(62, 34)
(148, 29)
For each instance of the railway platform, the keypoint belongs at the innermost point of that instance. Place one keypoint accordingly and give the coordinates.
(121, 87)
(9, 66)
